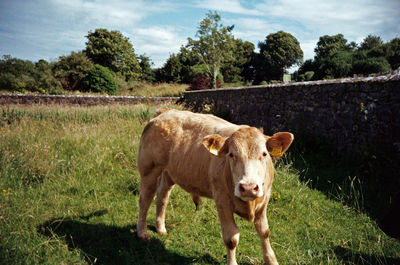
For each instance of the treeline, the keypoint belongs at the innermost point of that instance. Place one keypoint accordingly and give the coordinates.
(335, 58)
(215, 57)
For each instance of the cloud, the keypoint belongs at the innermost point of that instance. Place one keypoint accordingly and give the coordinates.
(252, 29)
(109, 13)
(158, 41)
(230, 6)
(352, 18)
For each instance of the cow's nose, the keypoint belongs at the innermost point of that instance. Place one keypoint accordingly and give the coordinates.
(248, 189)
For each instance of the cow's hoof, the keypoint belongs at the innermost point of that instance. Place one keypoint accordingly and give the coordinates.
(143, 236)
(163, 233)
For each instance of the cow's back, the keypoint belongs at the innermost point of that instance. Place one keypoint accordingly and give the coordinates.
(173, 141)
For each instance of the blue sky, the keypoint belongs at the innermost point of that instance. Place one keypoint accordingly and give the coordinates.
(47, 29)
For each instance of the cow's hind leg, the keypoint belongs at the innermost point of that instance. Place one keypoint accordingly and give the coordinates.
(164, 190)
(147, 189)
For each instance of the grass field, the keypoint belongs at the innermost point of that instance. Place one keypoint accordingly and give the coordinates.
(133, 88)
(69, 195)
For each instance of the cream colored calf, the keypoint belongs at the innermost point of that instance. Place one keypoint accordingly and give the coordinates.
(210, 157)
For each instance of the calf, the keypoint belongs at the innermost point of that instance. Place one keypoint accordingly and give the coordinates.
(210, 157)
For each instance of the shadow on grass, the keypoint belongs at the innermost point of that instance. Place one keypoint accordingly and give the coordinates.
(107, 244)
(348, 256)
(368, 182)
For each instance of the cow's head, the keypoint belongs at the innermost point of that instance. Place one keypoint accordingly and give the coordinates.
(249, 152)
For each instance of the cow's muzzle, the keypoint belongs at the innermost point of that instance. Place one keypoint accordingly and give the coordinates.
(249, 191)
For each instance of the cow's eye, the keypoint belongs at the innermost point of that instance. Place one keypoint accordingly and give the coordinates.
(264, 154)
(230, 155)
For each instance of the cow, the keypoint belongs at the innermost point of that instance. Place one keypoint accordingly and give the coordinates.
(213, 158)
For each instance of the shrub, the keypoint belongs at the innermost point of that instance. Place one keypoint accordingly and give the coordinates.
(308, 75)
(100, 79)
(371, 65)
(201, 82)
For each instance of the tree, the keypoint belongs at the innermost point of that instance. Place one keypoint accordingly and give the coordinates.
(370, 42)
(329, 45)
(145, 65)
(393, 53)
(278, 52)
(114, 51)
(214, 45)
(71, 69)
(20, 75)
(180, 67)
(333, 57)
(240, 66)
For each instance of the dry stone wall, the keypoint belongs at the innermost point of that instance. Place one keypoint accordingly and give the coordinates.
(351, 114)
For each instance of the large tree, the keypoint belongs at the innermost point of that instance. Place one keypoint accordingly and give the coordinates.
(329, 45)
(333, 57)
(393, 53)
(71, 69)
(113, 50)
(278, 52)
(239, 68)
(213, 45)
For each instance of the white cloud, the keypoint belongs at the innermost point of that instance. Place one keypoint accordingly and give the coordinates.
(231, 6)
(109, 13)
(157, 41)
(352, 18)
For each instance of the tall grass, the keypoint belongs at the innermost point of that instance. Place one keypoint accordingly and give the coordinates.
(133, 88)
(69, 195)
(141, 88)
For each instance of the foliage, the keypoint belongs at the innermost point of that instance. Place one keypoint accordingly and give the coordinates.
(336, 58)
(71, 69)
(214, 45)
(240, 66)
(371, 65)
(179, 67)
(201, 82)
(307, 76)
(393, 53)
(328, 46)
(100, 79)
(145, 64)
(278, 52)
(114, 51)
(21, 76)
(370, 42)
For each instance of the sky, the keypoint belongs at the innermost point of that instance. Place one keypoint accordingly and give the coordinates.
(46, 29)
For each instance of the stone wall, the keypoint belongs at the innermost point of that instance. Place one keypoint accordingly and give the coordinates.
(351, 114)
(88, 100)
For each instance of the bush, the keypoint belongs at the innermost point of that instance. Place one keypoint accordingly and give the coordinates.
(100, 79)
(371, 66)
(201, 82)
(308, 75)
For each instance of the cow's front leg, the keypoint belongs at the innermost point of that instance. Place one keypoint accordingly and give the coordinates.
(230, 232)
(261, 224)
(164, 190)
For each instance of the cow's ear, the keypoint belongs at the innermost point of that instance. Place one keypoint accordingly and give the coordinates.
(278, 143)
(215, 144)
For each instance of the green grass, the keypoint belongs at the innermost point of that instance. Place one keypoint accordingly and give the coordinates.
(132, 88)
(69, 195)
(141, 88)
